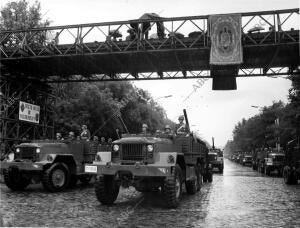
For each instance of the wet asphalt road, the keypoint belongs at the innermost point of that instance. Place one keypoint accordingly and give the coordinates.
(239, 198)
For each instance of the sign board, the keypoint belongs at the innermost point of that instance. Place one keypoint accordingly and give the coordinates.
(226, 45)
(29, 112)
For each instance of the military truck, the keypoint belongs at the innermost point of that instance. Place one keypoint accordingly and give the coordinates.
(150, 163)
(57, 164)
(274, 162)
(291, 170)
(215, 157)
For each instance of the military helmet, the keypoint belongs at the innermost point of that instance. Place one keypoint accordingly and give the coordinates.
(181, 117)
(167, 127)
(144, 125)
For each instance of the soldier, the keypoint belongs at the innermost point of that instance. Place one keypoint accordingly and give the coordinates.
(58, 136)
(103, 141)
(168, 130)
(85, 133)
(71, 136)
(109, 141)
(144, 128)
(95, 139)
(180, 128)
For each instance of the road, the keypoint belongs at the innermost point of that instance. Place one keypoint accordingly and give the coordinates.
(240, 197)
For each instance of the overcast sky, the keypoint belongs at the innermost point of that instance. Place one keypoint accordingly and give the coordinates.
(211, 113)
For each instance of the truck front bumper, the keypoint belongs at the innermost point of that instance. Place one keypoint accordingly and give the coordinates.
(25, 166)
(135, 170)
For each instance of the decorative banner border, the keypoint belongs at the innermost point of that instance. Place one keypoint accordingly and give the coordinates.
(225, 33)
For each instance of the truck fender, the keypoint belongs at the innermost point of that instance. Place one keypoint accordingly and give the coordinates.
(67, 159)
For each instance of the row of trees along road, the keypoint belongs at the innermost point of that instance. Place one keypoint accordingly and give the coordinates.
(262, 131)
(94, 104)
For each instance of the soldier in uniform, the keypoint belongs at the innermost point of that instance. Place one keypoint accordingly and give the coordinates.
(168, 130)
(144, 128)
(180, 127)
(85, 133)
(71, 136)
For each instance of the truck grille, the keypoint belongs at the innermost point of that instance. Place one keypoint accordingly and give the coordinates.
(133, 152)
(27, 153)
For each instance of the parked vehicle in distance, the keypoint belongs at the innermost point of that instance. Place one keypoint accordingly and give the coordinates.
(274, 162)
(291, 170)
(247, 160)
(57, 164)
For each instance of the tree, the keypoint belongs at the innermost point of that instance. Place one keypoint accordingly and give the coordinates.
(19, 15)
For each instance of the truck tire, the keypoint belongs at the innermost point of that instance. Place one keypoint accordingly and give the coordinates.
(288, 176)
(221, 170)
(56, 178)
(172, 188)
(267, 171)
(192, 186)
(106, 189)
(85, 179)
(14, 180)
(210, 177)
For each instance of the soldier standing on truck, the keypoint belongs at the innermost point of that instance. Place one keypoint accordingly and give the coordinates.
(85, 133)
(144, 129)
(180, 128)
(71, 136)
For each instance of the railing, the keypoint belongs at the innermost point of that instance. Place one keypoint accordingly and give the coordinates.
(156, 34)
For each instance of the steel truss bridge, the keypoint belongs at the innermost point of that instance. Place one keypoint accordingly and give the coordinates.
(114, 51)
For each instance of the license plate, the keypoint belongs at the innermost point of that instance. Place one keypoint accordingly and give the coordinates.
(90, 169)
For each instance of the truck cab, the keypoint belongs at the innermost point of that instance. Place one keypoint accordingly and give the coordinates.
(57, 164)
(216, 160)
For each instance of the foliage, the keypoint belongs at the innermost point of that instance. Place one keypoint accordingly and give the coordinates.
(261, 130)
(98, 105)
(17, 15)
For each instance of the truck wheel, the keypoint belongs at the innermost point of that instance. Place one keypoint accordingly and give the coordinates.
(56, 178)
(172, 188)
(210, 177)
(85, 179)
(192, 186)
(205, 178)
(106, 189)
(14, 180)
(221, 169)
(267, 171)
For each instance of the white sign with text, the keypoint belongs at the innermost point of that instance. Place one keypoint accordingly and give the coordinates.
(29, 112)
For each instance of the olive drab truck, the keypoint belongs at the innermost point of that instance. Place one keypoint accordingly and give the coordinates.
(215, 157)
(57, 164)
(291, 170)
(159, 162)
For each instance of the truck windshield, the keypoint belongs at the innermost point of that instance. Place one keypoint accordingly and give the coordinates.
(212, 157)
(279, 158)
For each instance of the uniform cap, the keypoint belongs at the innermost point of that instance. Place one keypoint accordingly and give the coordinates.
(181, 118)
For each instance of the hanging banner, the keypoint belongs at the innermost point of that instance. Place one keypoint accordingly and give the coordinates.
(29, 112)
(225, 34)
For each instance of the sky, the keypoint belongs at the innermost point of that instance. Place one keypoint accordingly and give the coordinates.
(210, 113)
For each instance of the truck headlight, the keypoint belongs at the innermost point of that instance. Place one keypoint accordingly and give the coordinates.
(38, 150)
(150, 148)
(116, 147)
(18, 150)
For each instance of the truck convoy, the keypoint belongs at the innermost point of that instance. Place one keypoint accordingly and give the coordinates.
(215, 157)
(150, 163)
(57, 164)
